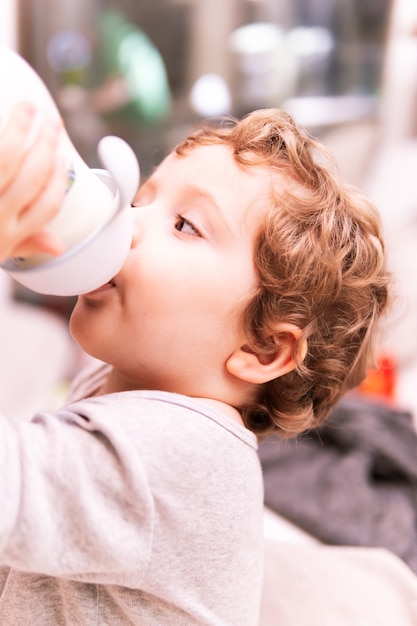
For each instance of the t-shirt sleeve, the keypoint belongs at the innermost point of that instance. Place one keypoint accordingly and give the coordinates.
(75, 499)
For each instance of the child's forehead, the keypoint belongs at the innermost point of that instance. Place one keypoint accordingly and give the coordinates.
(219, 158)
(213, 171)
(216, 165)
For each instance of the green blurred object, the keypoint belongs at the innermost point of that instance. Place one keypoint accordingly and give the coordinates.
(128, 53)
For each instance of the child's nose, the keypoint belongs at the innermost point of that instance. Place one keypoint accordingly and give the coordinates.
(135, 232)
(138, 225)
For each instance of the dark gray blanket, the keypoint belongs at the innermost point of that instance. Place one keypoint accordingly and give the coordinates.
(352, 481)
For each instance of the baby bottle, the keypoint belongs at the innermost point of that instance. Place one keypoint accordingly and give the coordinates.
(95, 220)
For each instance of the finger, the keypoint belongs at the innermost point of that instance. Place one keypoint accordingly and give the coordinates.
(41, 243)
(13, 142)
(17, 228)
(35, 170)
(48, 202)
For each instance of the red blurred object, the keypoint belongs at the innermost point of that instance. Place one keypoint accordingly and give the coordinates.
(381, 380)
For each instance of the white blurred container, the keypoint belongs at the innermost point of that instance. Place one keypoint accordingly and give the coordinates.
(95, 220)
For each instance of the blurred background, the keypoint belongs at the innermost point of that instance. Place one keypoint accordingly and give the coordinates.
(148, 71)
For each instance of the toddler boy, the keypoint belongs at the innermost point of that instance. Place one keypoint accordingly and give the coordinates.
(247, 304)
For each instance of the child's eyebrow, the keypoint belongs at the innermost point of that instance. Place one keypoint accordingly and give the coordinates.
(209, 197)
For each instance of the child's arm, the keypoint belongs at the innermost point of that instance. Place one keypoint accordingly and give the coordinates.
(75, 500)
(32, 185)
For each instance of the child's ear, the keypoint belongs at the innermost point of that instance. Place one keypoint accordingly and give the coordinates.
(259, 368)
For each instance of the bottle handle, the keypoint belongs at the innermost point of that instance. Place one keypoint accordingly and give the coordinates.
(120, 161)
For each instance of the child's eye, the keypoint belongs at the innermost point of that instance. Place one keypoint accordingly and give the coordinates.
(185, 226)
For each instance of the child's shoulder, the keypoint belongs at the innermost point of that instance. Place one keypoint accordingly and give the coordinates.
(87, 381)
(91, 378)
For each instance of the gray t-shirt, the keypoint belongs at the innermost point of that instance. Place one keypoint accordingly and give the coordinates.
(134, 508)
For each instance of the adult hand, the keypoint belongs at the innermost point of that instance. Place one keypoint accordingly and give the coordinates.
(32, 185)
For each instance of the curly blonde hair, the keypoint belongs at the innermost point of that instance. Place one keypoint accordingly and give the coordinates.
(320, 262)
